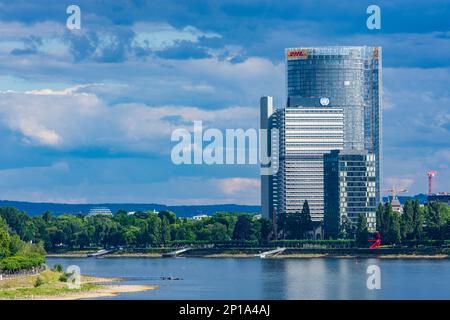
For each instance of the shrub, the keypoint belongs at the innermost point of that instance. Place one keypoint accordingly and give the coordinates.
(20, 262)
(39, 282)
(64, 277)
(58, 267)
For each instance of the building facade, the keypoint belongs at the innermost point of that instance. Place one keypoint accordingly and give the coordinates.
(348, 78)
(306, 134)
(349, 189)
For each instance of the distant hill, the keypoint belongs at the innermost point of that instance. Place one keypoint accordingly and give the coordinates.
(33, 208)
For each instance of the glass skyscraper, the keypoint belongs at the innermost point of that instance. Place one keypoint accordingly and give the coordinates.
(349, 181)
(347, 78)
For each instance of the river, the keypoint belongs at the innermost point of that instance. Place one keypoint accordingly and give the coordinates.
(254, 278)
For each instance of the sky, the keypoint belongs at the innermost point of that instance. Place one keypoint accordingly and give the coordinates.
(86, 115)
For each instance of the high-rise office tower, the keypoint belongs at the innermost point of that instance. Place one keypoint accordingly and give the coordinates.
(333, 103)
(349, 189)
(305, 134)
(348, 78)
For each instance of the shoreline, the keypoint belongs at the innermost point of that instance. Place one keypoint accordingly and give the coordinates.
(92, 287)
(102, 292)
(296, 255)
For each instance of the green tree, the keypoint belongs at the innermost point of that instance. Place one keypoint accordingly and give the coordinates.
(346, 228)
(5, 239)
(435, 220)
(293, 226)
(305, 219)
(407, 220)
(362, 231)
(266, 229)
(393, 234)
(242, 228)
(165, 230)
(219, 232)
(169, 215)
(418, 221)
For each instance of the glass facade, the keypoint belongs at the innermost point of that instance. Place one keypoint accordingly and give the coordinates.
(349, 188)
(350, 78)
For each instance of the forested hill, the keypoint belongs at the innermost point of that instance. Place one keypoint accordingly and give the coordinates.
(33, 208)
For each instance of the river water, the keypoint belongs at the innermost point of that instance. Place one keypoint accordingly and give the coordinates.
(254, 278)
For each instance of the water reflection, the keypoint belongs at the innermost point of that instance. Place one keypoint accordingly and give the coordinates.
(254, 278)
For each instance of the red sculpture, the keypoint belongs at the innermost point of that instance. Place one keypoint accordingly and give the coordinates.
(376, 242)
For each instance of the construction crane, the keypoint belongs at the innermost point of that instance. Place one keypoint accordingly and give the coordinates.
(395, 203)
(430, 175)
(394, 191)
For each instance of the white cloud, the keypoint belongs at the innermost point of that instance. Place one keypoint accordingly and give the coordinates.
(69, 119)
(159, 36)
(238, 186)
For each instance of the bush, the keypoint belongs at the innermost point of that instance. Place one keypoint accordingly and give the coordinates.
(64, 277)
(39, 282)
(20, 262)
(58, 267)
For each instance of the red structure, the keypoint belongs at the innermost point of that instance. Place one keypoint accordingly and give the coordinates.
(430, 175)
(376, 242)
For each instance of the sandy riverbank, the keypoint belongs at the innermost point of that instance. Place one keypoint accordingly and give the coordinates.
(101, 292)
(52, 288)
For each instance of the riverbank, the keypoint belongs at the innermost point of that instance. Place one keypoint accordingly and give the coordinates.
(291, 253)
(51, 288)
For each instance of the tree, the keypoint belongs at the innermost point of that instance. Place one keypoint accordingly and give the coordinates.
(362, 231)
(305, 219)
(242, 228)
(169, 215)
(393, 233)
(165, 230)
(407, 220)
(293, 226)
(346, 228)
(218, 232)
(5, 239)
(266, 229)
(418, 220)
(437, 214)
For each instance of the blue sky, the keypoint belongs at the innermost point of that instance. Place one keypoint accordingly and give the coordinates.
(86, 115)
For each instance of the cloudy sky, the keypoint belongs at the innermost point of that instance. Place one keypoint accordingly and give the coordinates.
(86, 115)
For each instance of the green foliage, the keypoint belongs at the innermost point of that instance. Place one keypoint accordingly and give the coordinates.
(19, 262)
(5, 239)
(39, 282)
(362, 233)
(347, 229)
(297, 224)
(242, 228)
(63, 277)
(58, 267)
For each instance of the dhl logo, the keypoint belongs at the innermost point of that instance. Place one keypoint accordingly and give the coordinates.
(297, 54)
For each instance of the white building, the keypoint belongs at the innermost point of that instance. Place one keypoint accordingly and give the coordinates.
(200, 217)
(305, 135)
(103, 211)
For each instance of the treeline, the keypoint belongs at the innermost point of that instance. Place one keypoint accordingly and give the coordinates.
(415, 225)
(141, 229)
(418, 224)
(16, 254)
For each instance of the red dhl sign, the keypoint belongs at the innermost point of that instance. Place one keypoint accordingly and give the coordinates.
(297, 54)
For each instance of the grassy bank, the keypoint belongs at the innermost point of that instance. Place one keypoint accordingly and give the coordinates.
(51, 288)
